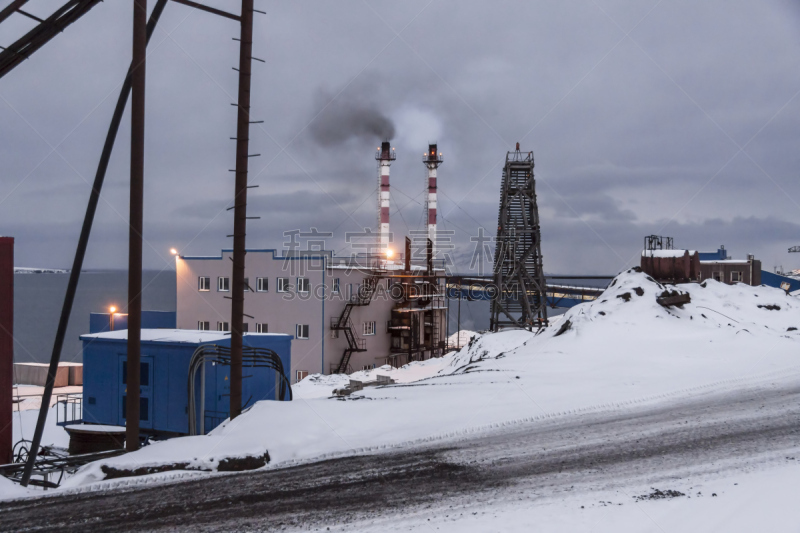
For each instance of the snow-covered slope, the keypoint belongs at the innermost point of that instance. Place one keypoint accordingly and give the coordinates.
(620, 350)
(630, 304)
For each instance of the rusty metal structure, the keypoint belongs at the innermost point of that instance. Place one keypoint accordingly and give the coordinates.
(418, 324)
(519, 299)
(671, 266)
(22, 49)
(6, 345)
(135, 224)
(658, 242)
(45, 30)
(240, 204)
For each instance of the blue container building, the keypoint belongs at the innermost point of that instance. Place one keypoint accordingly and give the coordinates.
(165, 359)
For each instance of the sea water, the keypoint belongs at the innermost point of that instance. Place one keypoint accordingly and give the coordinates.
(38, 299)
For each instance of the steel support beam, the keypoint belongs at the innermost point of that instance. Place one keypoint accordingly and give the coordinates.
(56, 23)
(6, 346)
(213, 10)
(11, 8)
(240, 205)
(80, 251)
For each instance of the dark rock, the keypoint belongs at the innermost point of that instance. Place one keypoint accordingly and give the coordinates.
(564, 328)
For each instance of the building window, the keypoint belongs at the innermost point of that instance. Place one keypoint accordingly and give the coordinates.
(335, 287)
(223, 284)
(368, 367)
(369, 328)
(203, 325)
(144, 405)
(302, 331)
(262, 284)
(301, 375)
(144, 374)
(223, 326)
(245, 327)
(736, 277)
(203, 284)
(303, 285)
(246, 284)
(334, 334)
(717, 276)
(283, 284)
(262, 328)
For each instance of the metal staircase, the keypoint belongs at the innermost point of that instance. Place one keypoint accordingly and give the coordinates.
(343, 323)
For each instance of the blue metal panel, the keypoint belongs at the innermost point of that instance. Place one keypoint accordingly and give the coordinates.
(101, 322)
(166, 392)
(776, 280)
(719, 255)
(99, 390)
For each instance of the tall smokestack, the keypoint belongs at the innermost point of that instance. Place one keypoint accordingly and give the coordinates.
(385, 156)
(432, 160)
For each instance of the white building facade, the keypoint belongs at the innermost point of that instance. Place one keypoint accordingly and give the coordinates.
(307, 295)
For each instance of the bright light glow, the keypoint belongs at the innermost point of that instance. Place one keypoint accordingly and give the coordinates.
(112, 309)
(173, 251)
(389, 253)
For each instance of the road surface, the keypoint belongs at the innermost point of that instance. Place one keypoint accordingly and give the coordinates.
(706, 434)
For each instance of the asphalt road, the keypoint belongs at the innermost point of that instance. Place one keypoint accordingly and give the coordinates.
(582, 453)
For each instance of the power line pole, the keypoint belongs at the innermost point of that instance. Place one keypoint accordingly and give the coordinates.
(240, 205)
(135, 225)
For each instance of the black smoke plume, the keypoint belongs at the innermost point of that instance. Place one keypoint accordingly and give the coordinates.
(346, 118)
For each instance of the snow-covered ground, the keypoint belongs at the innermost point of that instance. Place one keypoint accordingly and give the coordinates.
(460, 339)
(620, 351)
(745, 502)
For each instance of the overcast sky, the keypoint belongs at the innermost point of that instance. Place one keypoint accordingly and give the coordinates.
(679, 118)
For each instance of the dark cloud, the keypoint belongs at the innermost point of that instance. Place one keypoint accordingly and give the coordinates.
(632, 135)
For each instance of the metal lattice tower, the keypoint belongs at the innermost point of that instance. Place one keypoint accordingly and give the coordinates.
(519, 299)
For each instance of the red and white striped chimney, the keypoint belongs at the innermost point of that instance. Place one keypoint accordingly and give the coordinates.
(385, 156)
(432, 160)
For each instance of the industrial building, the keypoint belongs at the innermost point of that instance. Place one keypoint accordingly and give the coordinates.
(345, 313)
(167, 378)
(666, 264)
(364, 312)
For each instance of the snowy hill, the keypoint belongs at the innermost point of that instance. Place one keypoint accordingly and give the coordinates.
(621, 350)
(630, 301)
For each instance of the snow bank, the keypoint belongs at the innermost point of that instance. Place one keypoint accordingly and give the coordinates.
(459, 339)
(10, 490)
(620, 350)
